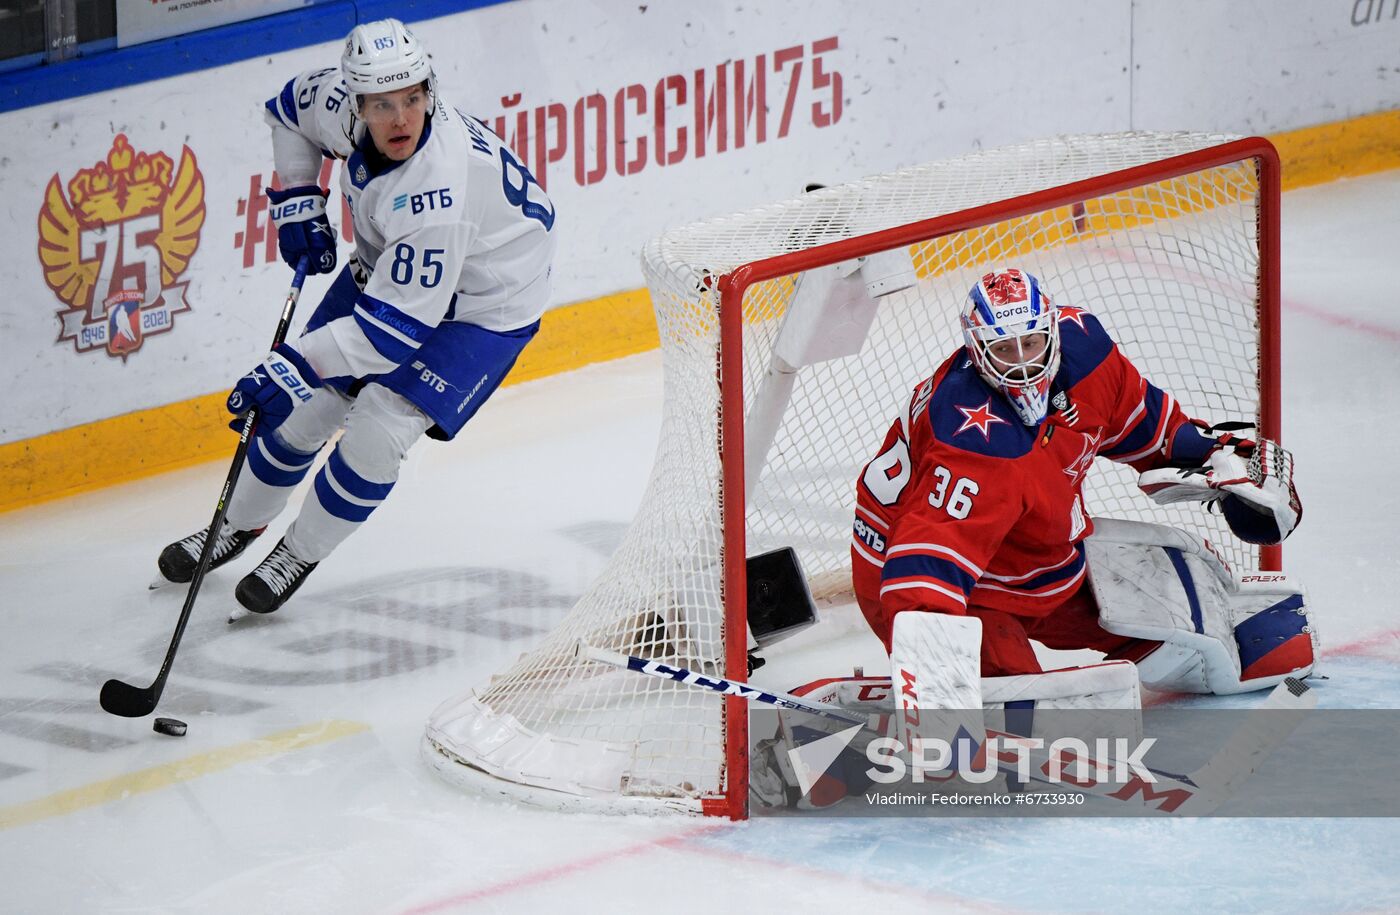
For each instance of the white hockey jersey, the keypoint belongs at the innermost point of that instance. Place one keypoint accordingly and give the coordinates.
(459, 231)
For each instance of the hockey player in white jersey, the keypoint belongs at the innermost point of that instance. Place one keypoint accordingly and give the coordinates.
(450, 276)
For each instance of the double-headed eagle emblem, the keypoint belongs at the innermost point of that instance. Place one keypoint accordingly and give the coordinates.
(114, 247)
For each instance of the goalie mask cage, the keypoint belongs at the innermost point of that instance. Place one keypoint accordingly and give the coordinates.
(1170, 239)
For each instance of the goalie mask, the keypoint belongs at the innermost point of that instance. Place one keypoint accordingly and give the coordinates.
(384, 56)
(1013, 338)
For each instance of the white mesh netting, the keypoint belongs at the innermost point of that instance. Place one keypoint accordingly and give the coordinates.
(1171, 267)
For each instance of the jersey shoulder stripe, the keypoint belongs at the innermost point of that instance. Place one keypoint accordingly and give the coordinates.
(1148, 431)
(1084, 346)
(283, 106)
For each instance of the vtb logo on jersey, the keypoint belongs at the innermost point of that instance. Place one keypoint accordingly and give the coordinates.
(114, 248)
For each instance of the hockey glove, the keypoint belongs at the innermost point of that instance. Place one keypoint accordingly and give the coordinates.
(302, 227)
(1257, 497)
(276, 387)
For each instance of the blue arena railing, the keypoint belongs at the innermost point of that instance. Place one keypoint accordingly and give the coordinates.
(111, 69)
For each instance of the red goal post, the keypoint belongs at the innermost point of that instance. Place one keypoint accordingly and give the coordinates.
(1171, 239)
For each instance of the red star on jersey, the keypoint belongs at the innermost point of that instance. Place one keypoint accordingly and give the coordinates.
(1071, 313)
(979, 418)
(1080, 465)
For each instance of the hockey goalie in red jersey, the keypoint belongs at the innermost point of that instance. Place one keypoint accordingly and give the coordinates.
(971, 538)
(972, 510)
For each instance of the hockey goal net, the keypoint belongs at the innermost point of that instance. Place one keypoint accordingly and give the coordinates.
(1170, 239)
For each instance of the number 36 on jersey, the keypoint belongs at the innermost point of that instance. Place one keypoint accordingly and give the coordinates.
(888, 474)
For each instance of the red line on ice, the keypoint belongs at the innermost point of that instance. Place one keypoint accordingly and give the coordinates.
(943, 901)
(1331, 317)
(534, 878)
(683, 840)
(1368, 645)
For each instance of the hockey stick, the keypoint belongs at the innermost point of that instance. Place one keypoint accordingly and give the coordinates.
(1194, 794)
(121, 698)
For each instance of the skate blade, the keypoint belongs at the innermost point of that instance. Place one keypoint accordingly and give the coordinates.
(159, 582)
(238, 613)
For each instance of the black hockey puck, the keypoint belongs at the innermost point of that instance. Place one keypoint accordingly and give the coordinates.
(171, 726)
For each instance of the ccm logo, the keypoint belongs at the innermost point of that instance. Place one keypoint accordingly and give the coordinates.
(909, 698)
(871, 692)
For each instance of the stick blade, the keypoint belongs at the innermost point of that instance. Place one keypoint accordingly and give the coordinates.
(127, 701)
(1271, 723)
(1292, 693)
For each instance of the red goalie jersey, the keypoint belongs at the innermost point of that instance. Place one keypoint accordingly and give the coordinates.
(967, 510)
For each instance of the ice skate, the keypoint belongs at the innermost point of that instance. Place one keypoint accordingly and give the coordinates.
(275, 579)
(177, 561)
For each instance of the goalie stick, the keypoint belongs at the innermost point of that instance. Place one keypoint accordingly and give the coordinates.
(121, 698)
(1194, 794)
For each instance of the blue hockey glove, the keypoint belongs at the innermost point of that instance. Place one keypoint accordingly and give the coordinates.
(302, 227)
(276, 386)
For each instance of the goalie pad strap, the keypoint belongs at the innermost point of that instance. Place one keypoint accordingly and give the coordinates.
(1109, 684)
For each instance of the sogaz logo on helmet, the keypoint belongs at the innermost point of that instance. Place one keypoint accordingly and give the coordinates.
(1003, 313)
(392, 77)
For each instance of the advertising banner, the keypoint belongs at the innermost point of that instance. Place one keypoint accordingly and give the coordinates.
(147, 20)
(141, 268)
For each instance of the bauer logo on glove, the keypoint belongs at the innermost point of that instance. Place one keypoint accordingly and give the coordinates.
(299, 213)
(275, 387)
(1257, 498)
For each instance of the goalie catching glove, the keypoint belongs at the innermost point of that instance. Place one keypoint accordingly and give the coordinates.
(1257, 497)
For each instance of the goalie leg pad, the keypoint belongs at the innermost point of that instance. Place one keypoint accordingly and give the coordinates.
(1095, 702)
(1222, 633)
(1107, 685)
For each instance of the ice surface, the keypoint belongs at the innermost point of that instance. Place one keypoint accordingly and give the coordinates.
(298, 787)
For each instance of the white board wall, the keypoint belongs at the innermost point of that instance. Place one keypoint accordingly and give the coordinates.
(849, 91)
